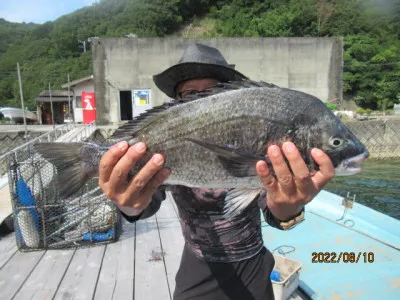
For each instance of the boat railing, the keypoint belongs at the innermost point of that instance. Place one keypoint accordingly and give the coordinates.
(50, 136)
(85, 132)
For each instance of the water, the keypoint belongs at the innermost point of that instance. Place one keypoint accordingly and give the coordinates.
(377, 186)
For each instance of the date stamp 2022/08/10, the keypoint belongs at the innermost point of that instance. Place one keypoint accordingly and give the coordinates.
(345, 257)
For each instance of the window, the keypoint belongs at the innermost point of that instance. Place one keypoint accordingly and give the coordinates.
(78, 101)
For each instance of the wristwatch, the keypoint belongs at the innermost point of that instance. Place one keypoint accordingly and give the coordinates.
(283, 225)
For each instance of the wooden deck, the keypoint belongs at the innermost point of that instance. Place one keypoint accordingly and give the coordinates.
(141, 265)
(132, 268)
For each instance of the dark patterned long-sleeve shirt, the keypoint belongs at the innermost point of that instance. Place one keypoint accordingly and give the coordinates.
(204, 227)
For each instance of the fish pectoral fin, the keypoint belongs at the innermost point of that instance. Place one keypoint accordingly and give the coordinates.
(238, 200)
(238, 164)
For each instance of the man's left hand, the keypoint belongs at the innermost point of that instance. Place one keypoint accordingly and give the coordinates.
(288, 193)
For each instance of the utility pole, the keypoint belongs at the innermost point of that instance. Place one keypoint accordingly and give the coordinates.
(69, 103)
(69, 100)
(22, 100)
(51, 106)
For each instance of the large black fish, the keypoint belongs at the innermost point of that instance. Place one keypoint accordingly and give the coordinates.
(215, 141)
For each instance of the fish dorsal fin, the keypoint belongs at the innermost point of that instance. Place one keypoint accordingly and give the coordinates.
(131, 128)
(143, 120)
(234, 85)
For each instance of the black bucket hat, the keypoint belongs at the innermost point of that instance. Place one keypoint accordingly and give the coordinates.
(198, 61)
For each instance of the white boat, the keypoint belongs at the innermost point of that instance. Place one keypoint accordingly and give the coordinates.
(17, 115)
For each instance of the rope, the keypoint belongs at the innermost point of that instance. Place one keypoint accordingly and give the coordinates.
(284, 252)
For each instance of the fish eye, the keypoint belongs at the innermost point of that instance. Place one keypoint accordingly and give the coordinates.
(335, 141)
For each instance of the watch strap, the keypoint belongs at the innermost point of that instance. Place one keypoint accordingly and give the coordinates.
(283, 225)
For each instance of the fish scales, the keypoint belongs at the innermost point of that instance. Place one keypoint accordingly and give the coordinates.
(221, 120)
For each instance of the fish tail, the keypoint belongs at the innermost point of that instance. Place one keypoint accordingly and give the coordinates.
(76, 163)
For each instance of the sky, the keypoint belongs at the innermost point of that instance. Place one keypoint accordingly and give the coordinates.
(39, 11)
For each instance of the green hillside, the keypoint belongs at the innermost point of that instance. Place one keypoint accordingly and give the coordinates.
(48, 52)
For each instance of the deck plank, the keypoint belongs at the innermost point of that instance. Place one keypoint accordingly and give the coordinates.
(8, 248)
(81, 277)
(16, 271)
(171, 239)
(47, 275)
(35, 295)
(150, 277)
(116, 280)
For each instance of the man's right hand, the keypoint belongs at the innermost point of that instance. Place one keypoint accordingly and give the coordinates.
(133, 196)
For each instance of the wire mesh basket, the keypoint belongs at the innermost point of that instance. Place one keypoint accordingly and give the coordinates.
(44, 221)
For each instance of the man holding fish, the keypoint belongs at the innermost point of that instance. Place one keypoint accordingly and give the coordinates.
(222, 259)
(225, 148)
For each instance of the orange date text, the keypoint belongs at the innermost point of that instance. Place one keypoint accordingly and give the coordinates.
(344, 257)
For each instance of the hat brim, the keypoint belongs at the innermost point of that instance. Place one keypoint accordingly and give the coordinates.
(170, 78)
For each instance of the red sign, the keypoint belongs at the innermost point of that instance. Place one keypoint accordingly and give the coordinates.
(89, 107)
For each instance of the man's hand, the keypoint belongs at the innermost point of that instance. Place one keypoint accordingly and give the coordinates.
(287, 195)
(132, 196)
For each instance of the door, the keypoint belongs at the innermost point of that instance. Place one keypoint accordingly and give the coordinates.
(125, 104)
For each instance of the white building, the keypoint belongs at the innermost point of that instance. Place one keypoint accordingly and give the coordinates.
(78, 86)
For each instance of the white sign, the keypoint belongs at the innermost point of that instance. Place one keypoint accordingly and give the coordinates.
(141, 101)
(88, 104)
(141, 97)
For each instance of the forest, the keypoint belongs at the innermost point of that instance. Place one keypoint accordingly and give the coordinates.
(48, 52)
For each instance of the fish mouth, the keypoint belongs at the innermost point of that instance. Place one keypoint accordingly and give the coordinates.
(351, 165)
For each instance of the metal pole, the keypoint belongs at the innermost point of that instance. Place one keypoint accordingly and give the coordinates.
(69, 102)
(22, 100)
(51, 105)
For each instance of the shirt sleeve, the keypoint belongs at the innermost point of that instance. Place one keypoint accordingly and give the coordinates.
(155, 204)
(268, 217)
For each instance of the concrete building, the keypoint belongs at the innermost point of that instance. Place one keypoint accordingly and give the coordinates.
(123, 68)
(77, 87)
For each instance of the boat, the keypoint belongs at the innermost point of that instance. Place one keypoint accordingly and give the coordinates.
(346, 250)
(17, 115)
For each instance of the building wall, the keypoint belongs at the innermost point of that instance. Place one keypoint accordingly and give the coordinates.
(312, 65)
(87, 86)
(380, 137)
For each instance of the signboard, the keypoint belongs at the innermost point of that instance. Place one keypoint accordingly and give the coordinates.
(141, 101)
(141, 97)
(89, 107)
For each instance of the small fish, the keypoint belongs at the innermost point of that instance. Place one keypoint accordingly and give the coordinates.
(216, 140)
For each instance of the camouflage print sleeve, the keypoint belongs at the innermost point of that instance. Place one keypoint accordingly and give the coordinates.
(151, 209)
